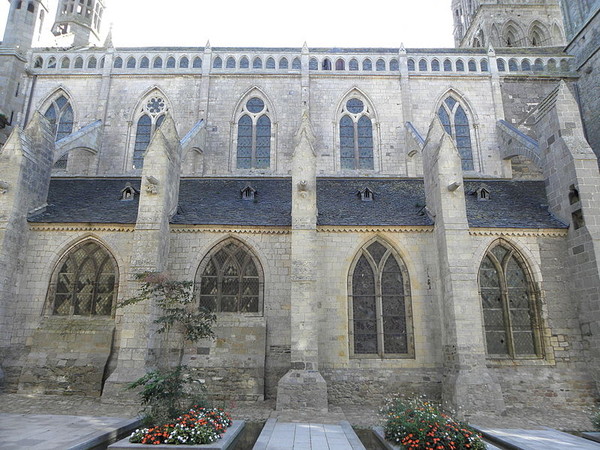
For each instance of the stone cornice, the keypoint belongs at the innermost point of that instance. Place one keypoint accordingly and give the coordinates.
(229, 229)
(539, 232)
(374, 229)
(81, 227)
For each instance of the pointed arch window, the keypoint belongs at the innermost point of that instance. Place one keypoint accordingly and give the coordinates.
(456, 123)
(151, 116)
(230, 280)
(356, 136)
(380, 307)
(60, 115)
(84, 283)
(254, 135)
(510, 313)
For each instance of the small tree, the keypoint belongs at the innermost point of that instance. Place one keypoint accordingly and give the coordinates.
(169, 390)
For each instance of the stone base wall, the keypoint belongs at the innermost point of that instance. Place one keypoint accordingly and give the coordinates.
(372, 387)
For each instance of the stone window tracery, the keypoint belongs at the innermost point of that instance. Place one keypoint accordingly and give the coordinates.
(230, 280)
(85, 282)
(152, 114)
(356, 136)
(510, 313)
(379, 304)
(254, 135)
(456, 123)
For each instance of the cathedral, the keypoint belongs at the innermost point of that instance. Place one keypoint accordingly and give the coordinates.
(362, 221)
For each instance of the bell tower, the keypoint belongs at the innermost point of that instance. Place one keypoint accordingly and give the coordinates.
(507, 23)
(78, 22)
(25, 24)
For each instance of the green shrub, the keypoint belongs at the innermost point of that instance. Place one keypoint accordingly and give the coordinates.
(418, 424)
(595, 417)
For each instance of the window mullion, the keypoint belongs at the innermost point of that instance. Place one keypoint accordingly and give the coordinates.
(506, 310)
(379, 312)
(356, 149)
(254, 129)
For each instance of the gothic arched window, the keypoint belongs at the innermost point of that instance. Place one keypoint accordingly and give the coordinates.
(356, 136)
(84, 283)
(379, 304)
(230, 280)
(456, 123)
(510, 314)
(151, 116)
(60, 115)
(254, 135)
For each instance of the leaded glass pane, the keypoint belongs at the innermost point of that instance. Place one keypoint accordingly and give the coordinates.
(353, 64)
(394, 65)
(367, 64)
(447, 65)
(380, 65)
(255, 105)
(472, 66)
(377, 250)
(142, 139)
(244, 63)
(230, 63)
(65, 124)
(217, 63)
(513, 66)
(118, 64)
(244, 144)
(445, 119)
(423, 65)
(460, 66)
(270, 64)
(435, 65)
(313, 64)
(171, 63)
(296, 64)
(355, 106)
(526, 65)
(364, 310)
(283, 63)
(499, 252)
(131, 62)
(79, 63)
(411, 65)
(484, 65)
(144, 63)
(257, 63)
(263, 142)
(365, 143)
(394, 315)
(197, 63)
(463, 138)
(347, 143)
(184, 63)
(501, 65)
(61, 102)
(340, 64)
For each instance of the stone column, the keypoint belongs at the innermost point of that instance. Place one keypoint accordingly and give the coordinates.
(573, 190)
(25, 167)
(150, 250)
(467, 384)
(303, 387)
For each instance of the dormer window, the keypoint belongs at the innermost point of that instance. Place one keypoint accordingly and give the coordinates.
(248, 193)
(366, 195)
(129, 193)
(483, 193)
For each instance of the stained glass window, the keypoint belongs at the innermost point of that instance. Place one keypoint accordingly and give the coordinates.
(229, 280)
(184, 63)
(217, 63)
(254, 136)
(144, 63)
(356, 136)
(435, 65)
(353, 64)
(118, 64)
(270, 64)
(380, 65)
(171, 63)
(510, 315)
(85, 284)
(78, 63)
(197, 64)
(379, 303)
(456, 123)
(131, 63)
(472, 66)
(230, 63)
(296, 64)
(60, 115)
(460, 65)
(394, 65)
(244, 63)
(447, 65)
(257, 63)
(283, 63)
(411, 65)
(423, 65)
(367, 64)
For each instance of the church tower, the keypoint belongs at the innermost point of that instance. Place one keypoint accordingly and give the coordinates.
(507, 23)
(78, 22)
(25, 24)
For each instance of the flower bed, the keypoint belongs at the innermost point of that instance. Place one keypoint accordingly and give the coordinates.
(197, 426)
(417, 424)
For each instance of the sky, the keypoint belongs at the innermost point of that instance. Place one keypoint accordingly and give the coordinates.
(277, 23)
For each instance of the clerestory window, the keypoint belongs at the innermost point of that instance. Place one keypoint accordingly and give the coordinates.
(356, 136)
(456, 123)
(85, 282)
(60, 115)
(152, 115)
(254, 136)
(510, 312)
(229, 280)
(379, 304)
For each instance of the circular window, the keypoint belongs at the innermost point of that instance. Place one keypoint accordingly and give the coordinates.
(355, 106)
(155, 105)
(255, 105)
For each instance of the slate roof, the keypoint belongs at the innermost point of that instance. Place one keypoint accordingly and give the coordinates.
(512, 204)
(206, 201)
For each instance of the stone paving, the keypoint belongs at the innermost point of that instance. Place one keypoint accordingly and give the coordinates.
(538, 439)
